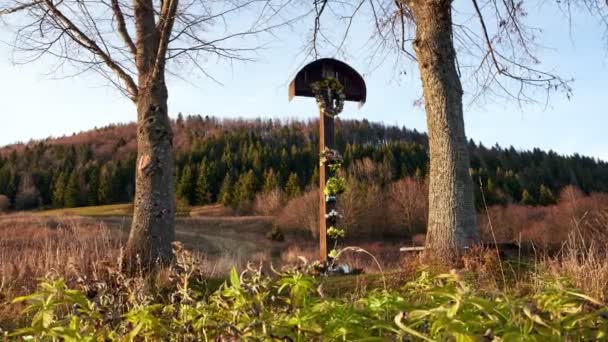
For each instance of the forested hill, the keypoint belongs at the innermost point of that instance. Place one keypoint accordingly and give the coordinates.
(232, 160)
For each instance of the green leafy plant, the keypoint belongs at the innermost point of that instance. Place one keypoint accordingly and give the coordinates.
(335, 186)
(291, 305)
(335, 233)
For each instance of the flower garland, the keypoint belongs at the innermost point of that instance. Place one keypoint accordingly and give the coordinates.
(332, 158)
(335, 185)
(330, 96)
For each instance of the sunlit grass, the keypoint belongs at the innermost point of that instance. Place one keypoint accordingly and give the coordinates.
(125, 209)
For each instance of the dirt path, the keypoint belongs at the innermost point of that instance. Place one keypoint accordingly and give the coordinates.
(235, 236)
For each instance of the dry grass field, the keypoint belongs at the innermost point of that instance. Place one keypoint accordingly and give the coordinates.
(34, 246)
(83, 246)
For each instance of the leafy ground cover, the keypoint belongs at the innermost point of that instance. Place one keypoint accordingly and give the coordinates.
(292, 305)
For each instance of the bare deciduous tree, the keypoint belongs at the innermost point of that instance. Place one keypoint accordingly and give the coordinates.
(487, 44)
(133, 45)
(407, 200)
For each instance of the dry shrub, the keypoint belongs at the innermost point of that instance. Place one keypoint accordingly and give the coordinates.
(270, 203)
(570, 194)
(363, 210)
(31, 248)
(508, 223)
(549, 227)
(408, 205)
(397, 210)
(301, 213)
(584, 264)
(363, 203)
(367, 171)
(419, 240)
(368, 209)
(292, 254)
(5, 203)
(485, 265)
(244, 208)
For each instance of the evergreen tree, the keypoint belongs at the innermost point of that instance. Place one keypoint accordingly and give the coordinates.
(71, 196)
(59, 190)
(203, 188)
(545, 196)
(225, 195)
(527, 199)
(494, 194)
(185, 185)
(284, 165)
(5, 176)
(122, 180)
(42, 181)
(292, 188)
(13, 186)
(244, 190)
(284, 149)
(93, 185)
(9, 182)
(271, 181)
(106, 193)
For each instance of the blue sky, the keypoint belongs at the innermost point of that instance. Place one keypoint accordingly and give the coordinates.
(36, 106)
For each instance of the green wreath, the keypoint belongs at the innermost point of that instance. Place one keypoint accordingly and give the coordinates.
(334, 97)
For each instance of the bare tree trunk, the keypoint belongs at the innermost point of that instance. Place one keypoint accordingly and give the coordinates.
(152, 231)
(451, 221)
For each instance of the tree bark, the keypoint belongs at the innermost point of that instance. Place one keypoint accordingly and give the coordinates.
(451, 220)
(152, 230)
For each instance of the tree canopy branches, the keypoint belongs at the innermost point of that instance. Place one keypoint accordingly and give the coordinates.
(101, 36)
(498, 47)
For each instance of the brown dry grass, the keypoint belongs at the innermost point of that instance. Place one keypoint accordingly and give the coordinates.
(82, 249)
(32, 247)
(584, 264)
(213, 210)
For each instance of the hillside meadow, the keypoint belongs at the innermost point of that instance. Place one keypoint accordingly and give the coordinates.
(247, 241)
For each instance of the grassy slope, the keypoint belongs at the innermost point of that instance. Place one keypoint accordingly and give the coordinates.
(95, 211)
(212, 229)
(126, 209)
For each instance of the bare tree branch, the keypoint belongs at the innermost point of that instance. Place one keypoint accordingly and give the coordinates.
(498, 57)
(19, 7)
(165, 26)
(91, 45)
(108, 37)
(122, 27)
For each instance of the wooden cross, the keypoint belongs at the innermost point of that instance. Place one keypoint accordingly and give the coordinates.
(354, 90)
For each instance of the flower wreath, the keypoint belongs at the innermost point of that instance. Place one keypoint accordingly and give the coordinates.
(331, 157)
(329, 91)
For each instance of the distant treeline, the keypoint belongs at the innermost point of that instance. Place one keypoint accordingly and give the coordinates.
(230, 161)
